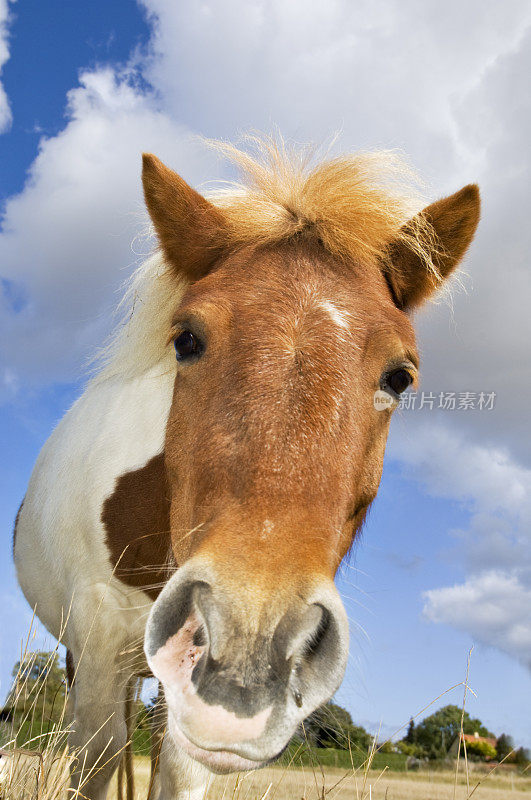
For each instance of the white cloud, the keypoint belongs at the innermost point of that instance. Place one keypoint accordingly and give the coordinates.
(5, 111)
(450, 466)
(493, 604)
(485, 344)
(67, 237)
(492, 607)
(386, 72)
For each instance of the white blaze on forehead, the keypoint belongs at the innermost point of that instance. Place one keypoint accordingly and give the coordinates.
(267, 528)
(337, 316)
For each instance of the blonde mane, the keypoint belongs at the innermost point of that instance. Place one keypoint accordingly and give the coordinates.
(355, 204)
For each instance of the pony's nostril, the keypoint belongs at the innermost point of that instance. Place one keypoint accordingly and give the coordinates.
(200, 638)
(175, 613)
(308, 652)
(299, 637)
(315, 640)
(317, 653)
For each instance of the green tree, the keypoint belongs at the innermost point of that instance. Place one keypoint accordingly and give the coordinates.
(504, 746)
(410, 749)
(38, 692)
(357, 738)
(522, 757)
(331, 726)
(411, 735)
(436, 733)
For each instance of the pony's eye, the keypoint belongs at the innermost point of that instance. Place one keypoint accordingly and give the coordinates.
(399, 380)
(187, 345)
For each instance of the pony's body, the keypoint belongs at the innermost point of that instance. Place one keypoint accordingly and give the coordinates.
(70, 463)
(238, 478)
(67, 573)
(77, 469)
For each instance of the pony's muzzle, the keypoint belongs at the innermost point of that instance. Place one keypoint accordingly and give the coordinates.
(240, 672)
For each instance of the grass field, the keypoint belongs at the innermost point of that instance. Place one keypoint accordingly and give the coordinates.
(281, 783)
(40, 770)
(39, 780)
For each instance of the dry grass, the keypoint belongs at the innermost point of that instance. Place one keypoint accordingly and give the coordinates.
(29, 775)
(277, 783)
(40, 770)
(26, 775)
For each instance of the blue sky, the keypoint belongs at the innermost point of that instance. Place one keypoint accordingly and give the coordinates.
(51, 42)
(90, 86)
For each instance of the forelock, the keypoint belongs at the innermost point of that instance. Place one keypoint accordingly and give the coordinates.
(355, 204)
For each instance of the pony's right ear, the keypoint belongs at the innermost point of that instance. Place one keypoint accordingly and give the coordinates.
(191, 231)
(453, 221)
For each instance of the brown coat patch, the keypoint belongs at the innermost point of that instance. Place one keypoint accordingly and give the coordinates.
(136, 517)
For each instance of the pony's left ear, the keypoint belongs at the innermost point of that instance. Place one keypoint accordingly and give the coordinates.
(191, 231)
(454, 221)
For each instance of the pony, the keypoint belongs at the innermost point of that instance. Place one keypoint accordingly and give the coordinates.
(202, 492)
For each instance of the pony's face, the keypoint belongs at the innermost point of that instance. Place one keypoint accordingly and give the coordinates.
(274, 451)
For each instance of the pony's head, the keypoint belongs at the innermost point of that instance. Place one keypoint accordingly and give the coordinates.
(296, 311)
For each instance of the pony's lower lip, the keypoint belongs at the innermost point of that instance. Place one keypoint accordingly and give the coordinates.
(221, 761)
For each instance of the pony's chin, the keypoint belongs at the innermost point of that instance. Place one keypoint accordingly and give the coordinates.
(219, 761)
